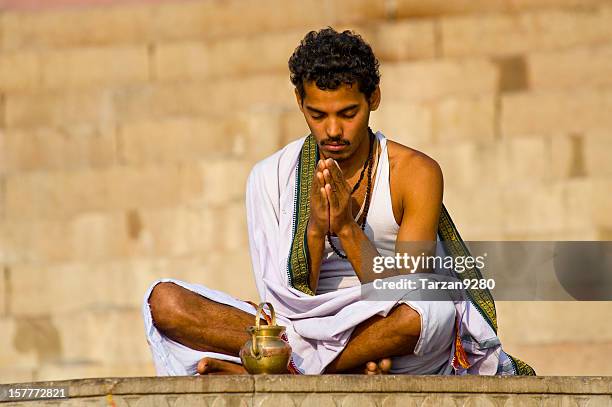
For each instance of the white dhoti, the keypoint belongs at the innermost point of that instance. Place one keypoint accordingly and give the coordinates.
(432, 354)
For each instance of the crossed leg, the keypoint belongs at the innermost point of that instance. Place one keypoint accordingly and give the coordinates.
(208, 326)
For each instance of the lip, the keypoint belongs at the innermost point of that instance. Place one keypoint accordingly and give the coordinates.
(334, 147)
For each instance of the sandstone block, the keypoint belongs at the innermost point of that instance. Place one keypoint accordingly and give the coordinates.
(500, 34)
(143, 102)
(404, 40)
(202, 98)
(230, 227)
(267, 53)
(254, 93)
(415, 8)
(533, 208)
(100, 66)
(98, 236)
(574, 68)
(106, 336)
(77, 27)
(34, 241)
(4, 290)
(217, 190)
(231, 272)
(545, 113)
(467, 164)
(525, 160)
(27, 342)
(63, 194)
(59, 108)
(171, 232)
(194, 20)
(355, 11)
(179, 60)
(477, 212)
(423, 81)
(293, 126)
(465, 119)
(406, 123)
(19, 70)
(14, 374)
(52, 149)
(261, 129)
(82, 370)
(587, 203)
(59, 289)
(115, 283)
(176, 139)
(545, 325)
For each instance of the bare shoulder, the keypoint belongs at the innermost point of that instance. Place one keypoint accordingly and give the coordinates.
(413, 168)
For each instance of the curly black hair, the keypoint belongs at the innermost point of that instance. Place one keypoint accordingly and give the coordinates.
(330, 58)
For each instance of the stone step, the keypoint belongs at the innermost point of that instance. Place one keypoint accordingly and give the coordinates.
(331, 390)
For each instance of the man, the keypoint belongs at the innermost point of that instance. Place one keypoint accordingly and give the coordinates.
(319, 212)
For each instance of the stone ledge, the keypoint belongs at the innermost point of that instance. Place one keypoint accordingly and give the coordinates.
(335, 389)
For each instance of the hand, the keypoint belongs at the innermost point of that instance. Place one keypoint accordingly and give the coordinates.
(319, 204)
(338, 193)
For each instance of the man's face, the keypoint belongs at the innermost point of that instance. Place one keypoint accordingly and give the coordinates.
(338, 119)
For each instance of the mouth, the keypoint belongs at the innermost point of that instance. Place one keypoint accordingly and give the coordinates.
(335, 147)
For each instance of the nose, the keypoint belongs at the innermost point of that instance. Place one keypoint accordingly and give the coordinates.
(334, 130)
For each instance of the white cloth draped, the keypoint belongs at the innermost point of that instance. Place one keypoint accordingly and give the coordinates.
(319, 327)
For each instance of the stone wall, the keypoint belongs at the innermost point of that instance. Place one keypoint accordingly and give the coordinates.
(127, 133)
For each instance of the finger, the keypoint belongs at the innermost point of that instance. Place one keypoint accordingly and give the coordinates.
(324, 199)
(331, 197)
(337, 176)
(329, 180)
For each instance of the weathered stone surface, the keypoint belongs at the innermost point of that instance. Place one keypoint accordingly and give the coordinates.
(465, 119)
(264, 53)
(547, 113)
(64, 194)
(410, 40)
(94, 67)
(434, 8)
(77, 27)
(578, 155)
(176, 140)
(566, 358)
(19, 70)
(425, 80)
(407, 123)
(59, 108)
(239, 391)
(4, 289)
(523, 32)
(559, 69)
(52, 149)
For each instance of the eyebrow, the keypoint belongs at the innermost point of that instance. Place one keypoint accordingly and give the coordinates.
(344, 110)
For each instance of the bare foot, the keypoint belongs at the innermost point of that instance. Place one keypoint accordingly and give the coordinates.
(217, 366)
(382, 367)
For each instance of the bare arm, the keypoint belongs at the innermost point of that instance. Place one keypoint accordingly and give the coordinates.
(422, 200)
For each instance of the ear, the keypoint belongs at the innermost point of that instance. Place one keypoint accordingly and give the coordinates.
(299, 100)
(374, 101)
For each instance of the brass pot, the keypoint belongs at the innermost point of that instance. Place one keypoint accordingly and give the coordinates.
(265, 352)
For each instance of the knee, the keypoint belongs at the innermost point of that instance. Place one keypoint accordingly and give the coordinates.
(407, 322)
(164, 304)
